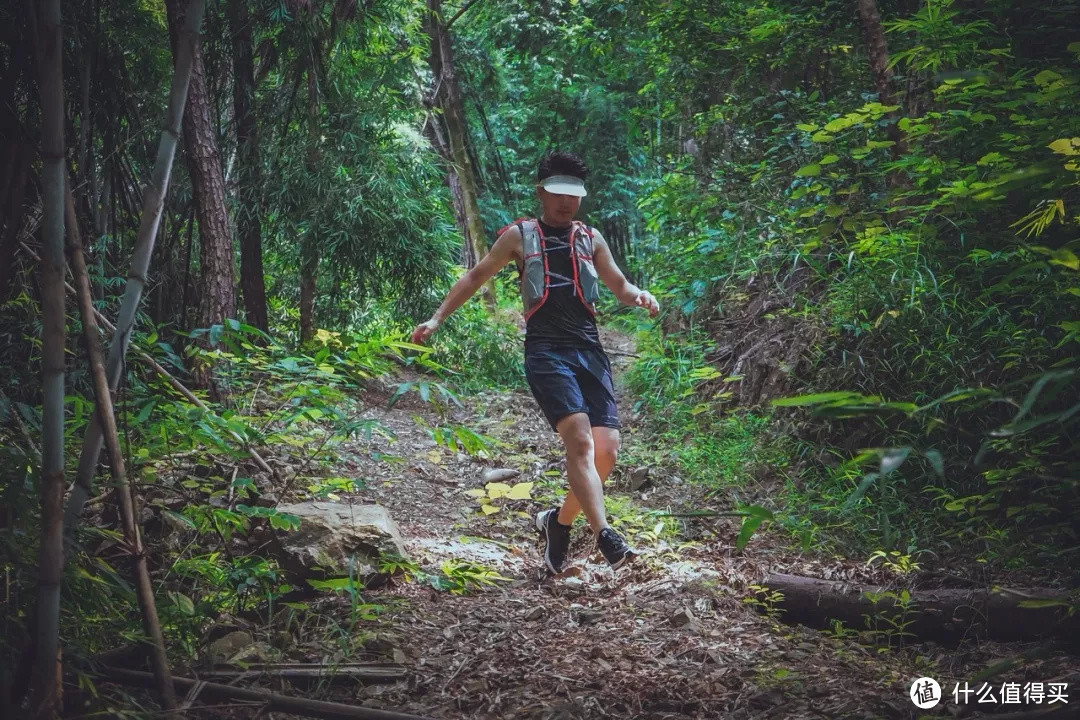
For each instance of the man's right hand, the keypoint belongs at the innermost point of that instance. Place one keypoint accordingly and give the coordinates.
(424, 330)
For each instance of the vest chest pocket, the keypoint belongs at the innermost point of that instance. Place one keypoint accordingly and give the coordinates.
(588, 278)
(532, 280)
(590, 285)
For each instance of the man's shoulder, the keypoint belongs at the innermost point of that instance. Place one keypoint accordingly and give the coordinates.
(511, 240)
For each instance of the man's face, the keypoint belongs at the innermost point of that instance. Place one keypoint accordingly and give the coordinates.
(558, 209)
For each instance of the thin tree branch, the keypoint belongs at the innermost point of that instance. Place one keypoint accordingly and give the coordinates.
(461, 12)
(122, 489)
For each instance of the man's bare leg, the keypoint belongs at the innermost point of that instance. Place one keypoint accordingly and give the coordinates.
(581, 471)
(605, 454)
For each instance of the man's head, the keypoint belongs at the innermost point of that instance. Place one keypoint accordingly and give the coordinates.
(560, 186)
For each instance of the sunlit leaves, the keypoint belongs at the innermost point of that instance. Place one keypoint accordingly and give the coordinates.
(1066, 146)
(1040, 218)
(496, 491)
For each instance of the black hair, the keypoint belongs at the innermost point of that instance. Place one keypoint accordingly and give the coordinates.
(562, 163)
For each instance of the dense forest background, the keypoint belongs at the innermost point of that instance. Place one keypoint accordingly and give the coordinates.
(860, 217)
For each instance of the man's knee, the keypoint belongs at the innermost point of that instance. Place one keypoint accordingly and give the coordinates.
(607, 454)
(607, 446)
(577, 437)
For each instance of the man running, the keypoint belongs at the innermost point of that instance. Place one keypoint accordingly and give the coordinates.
(560, 260)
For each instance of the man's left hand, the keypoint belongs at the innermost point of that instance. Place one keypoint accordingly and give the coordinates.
(645, 299)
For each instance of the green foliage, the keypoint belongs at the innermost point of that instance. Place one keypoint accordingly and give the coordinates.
(346, 171)
(894, 561)
(755, 516)
(202, 494)
(942, 270)
(461, 438)
(458, 577)
(673, 379)
(484, 350)
(889, 625)
(765, 600)
(926, 243)
(462, 576)
(350, 586)
(639, 524)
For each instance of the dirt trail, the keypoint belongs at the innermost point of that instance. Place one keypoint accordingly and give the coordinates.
(670, 637)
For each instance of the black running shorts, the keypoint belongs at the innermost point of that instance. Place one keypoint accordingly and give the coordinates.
(567, 380)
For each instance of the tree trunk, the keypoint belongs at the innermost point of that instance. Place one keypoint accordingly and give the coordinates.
(249, 215)
(86, 58)
(437, 138)
(309, 246)
(942, 615)
(217, 294)
(45, 696)
(878, 50)
(613, 234)
(153, 202)
(122, 490)
(448, 98)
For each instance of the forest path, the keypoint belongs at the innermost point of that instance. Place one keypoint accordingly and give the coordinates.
(668, 637)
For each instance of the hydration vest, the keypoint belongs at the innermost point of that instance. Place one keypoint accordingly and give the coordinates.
(536, 276)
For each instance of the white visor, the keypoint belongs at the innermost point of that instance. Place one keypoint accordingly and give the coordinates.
(564, 185)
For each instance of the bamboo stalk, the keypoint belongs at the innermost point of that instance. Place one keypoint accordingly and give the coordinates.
(273, 701)
(153, 203)
(122, 489)
(45, 694)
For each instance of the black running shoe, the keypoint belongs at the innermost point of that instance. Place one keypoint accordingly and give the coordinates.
(556, 540)
(615, 549)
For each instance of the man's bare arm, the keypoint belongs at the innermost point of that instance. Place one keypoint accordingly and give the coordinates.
(501, 253)
(626, 292)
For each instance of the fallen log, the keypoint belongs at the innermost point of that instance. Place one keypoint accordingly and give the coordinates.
(944, 615)
(366, 673)
(272, 701)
